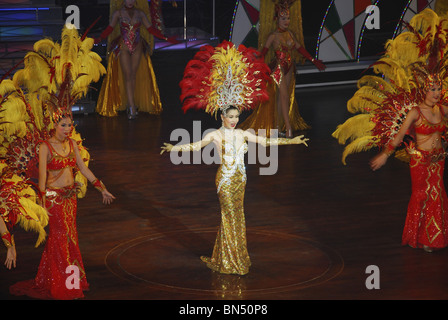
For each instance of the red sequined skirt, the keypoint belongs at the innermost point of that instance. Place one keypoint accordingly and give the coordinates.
(61, 272)
(426, 222)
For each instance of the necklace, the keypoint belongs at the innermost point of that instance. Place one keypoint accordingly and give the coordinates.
(281, 29)
(229, 133)
(62, 142)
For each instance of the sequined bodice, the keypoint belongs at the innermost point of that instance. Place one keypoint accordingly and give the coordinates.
(425, 127)
(283, 50)
(130, 34)
(232, 161)
(58, 162)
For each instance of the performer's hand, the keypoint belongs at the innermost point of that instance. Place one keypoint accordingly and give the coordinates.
(300, 140)
(378, 161)
(11, 257)
(172, 40)
(319, 65)
(167, 147)
(107, 197)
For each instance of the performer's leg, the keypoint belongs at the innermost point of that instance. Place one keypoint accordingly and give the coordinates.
(129, 74)
(135, 63)
(284, 101)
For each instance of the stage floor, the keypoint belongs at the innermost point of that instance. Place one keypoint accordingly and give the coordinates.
(313, 228)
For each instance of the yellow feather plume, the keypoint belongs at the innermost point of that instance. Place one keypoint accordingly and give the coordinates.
(354, 128)
(358, 145)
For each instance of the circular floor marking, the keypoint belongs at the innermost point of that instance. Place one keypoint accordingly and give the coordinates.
(170, 261)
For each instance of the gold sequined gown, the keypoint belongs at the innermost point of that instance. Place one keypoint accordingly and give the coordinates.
(230, 255)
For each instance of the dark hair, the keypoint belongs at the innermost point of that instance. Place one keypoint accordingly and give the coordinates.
(224, 112)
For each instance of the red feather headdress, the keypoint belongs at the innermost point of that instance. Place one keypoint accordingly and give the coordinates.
(224, 76)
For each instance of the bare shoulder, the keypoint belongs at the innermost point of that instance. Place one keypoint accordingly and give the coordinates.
(212, 135)
(43, 146)
(140, 13)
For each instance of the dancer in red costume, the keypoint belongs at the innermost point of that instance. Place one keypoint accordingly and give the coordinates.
(59, 156)
(45, 161)
(409, 109)
(130, 80)
(427, 221)
(280, 48)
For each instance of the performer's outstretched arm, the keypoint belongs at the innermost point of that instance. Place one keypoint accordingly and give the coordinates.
(109, 28)
(155, 32)
(195, 146)
(266, 142)
(86, 172)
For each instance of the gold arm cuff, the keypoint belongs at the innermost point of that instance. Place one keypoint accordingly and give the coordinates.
(195, 146)
(8, 239)
(99, 185)
(277, 141)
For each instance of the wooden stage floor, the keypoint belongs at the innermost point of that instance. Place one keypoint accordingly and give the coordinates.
(313, 228)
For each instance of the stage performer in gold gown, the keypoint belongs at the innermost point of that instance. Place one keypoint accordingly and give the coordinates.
(130, 83)
(227, 80)
(404, 110)
(44, 166)
(281, 44)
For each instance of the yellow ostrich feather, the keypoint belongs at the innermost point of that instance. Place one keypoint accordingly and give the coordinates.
(33, 218)
(358, 104)
(365, 100)
(425, 22)
(361, 144)
(376, 83)
(353, 128)
(68, 54)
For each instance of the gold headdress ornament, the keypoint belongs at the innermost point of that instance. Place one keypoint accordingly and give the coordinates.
(217, 78)
(282, 7)
(230, 92)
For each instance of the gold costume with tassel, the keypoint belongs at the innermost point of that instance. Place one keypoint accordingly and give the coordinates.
(112, 97)
(227, 79)
(216, 80)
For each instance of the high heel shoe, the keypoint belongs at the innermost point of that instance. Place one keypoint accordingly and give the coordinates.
(131, 113)
(289, 134)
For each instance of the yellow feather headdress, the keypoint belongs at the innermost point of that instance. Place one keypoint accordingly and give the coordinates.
(53, 78)
(414, 60)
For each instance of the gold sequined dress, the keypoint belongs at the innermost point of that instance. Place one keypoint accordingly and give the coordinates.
(230, 255)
